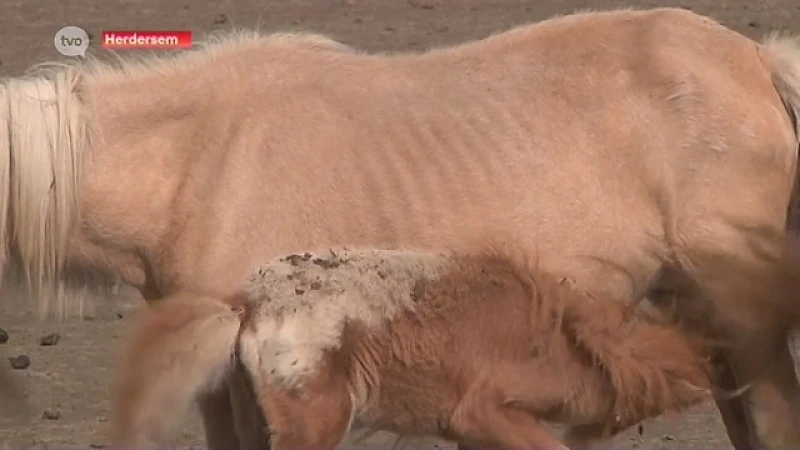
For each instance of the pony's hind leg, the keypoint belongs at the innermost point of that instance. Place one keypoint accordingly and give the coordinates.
(732, 410)
(774, 397)
(587, 437)
(503, 428)
(752, 289)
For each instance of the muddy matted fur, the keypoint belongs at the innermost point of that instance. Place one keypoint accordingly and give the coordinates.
(480, 349)
(179, 173)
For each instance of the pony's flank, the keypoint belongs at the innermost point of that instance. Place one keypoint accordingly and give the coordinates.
(47, 135)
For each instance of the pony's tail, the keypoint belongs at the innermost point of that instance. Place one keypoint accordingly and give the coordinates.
(182, 348)
(782, 57)
(652, 367)
(5, 171)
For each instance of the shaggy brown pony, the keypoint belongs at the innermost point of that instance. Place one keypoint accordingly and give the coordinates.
(480, 349)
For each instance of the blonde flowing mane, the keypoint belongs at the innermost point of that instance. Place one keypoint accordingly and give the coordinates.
(41, 144)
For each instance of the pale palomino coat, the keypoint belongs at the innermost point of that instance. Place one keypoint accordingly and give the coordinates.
(626, 136)
(481, 348)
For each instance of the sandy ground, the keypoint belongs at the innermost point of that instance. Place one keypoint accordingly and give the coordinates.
(67, 384)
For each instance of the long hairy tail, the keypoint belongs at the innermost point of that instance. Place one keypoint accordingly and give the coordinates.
(180, 349)
(653, 367)
(782, 56)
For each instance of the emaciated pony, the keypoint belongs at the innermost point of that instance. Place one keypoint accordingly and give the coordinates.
(482, 349)
(634, 137)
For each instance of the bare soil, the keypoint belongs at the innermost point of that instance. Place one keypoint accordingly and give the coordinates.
(68, 384)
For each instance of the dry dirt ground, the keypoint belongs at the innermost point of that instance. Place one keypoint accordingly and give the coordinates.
(67, 384)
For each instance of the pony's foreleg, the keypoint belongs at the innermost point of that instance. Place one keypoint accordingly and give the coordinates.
(231, 418)
(482, 420)
(251, 426)
(179, 354)
(593, 436)
(316, 418)
(504, 428)
(586, 437)
(214, 404)
(217, 415)
(309, 411)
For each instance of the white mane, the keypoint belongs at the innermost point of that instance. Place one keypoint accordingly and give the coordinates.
(42, 140)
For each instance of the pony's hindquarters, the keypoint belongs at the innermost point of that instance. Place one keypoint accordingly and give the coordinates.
(763, 356)
(312, 411)
(182, 348)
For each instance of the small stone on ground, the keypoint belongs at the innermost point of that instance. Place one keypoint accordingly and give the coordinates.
(50, 339)
(51, 414)
(20, 362)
